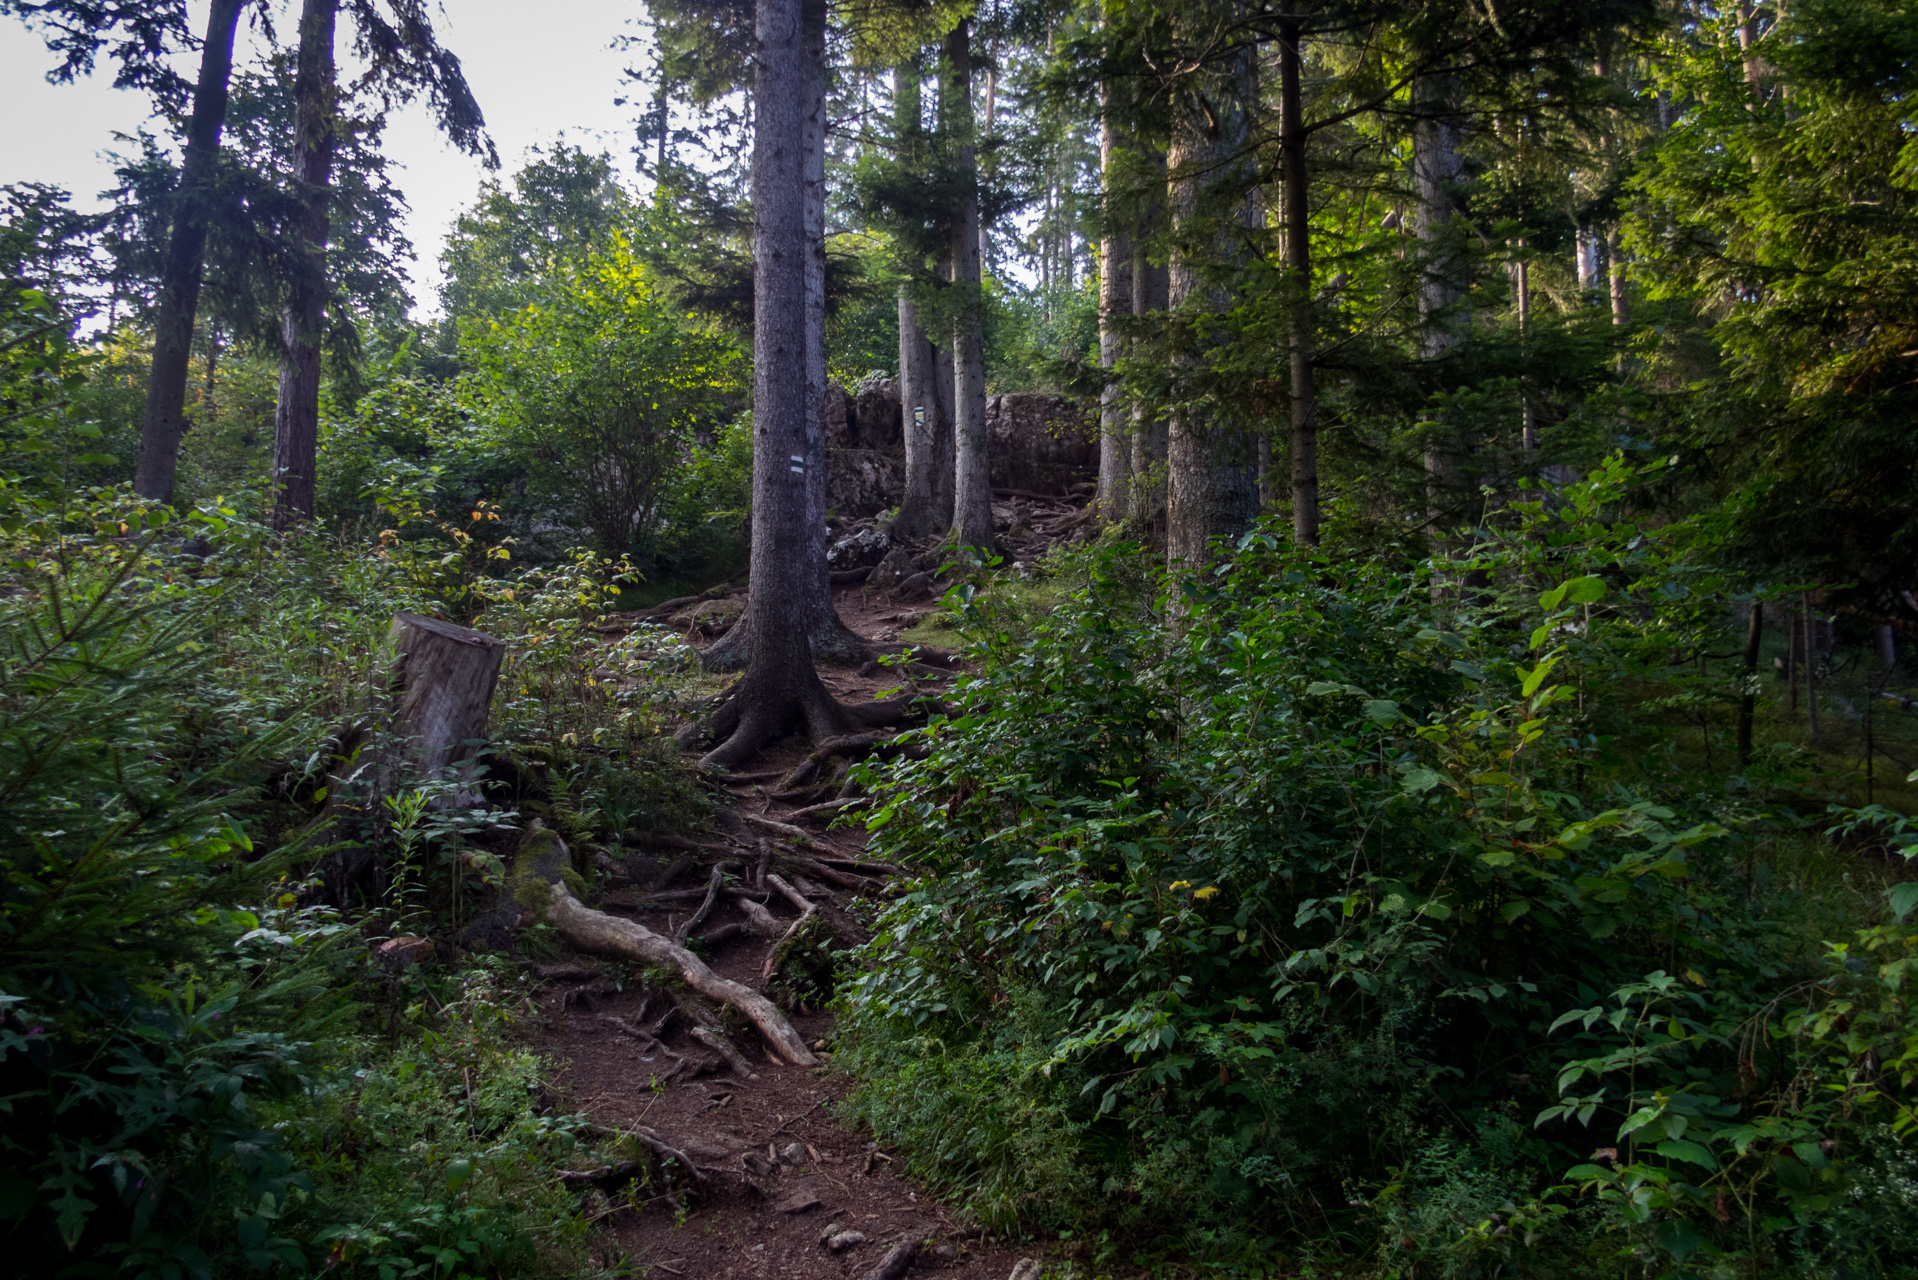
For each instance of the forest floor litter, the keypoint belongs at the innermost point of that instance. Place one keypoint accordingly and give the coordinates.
(781, 1188)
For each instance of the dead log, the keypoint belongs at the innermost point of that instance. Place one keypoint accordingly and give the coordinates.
(442, 687)
(542, 862)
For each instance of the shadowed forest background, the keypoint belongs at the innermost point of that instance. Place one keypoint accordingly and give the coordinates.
(1388, 533)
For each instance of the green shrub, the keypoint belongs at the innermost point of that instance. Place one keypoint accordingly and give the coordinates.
(1297, 866)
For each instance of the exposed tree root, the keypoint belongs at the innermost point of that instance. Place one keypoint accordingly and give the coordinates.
(833, 643)
(544, 856)
(752, 717)
(849, 746)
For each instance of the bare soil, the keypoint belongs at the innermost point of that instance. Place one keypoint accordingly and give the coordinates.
(781, 1173)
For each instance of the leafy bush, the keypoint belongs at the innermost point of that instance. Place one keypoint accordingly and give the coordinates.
(1289, 873)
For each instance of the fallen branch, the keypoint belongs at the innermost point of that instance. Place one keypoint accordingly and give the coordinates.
(720, 1045)
(597, 932)
(652, 1142)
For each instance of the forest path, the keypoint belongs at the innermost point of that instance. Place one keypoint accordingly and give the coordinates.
(783, 1173)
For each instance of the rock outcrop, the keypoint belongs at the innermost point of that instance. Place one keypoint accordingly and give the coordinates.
(1037, 443)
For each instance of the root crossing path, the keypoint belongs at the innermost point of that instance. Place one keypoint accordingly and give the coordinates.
(780, 1187)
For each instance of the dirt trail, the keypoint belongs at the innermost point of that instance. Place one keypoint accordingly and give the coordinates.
(781, 1173)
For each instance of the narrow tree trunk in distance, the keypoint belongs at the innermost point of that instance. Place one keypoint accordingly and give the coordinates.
(943, 443)
(1298, 270)
(1528, 426)
(1151, 292)
(1211, 454)
(1811, 668)
(1748, 704)
(919, 514)
(1587, 260)
(972, 483)
(1615, 273)
(296, 418)
(164, 421)
(918, 517)
(1115, 300)
(1436, 170)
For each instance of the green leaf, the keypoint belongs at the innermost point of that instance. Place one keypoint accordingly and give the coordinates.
(1536, 676)
(458, 1174)
(1382, 710)
(1688, 1151)
(1419, 781)
(1319, 688)
(1585, 590)
(1513, 910)
(1903, 898)
(1678, 1238)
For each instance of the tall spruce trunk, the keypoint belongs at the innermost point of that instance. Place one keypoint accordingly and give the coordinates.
(1298, 275)
(164, 421)
(779, 672)
(1211, 450)
(830, 639)
(296, 416)
(1115, 301)
(972, 482)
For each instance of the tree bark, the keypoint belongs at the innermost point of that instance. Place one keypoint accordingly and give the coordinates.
(972, 484)
(296, 417)
(1298, 274)
(1115, 300)
(164, 420)
(1211, 452)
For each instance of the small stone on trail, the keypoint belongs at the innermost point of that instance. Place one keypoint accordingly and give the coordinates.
(793, 1153)
(841, 1241)
(799, 1200)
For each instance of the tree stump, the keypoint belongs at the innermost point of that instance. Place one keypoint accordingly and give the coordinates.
(443, 681)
